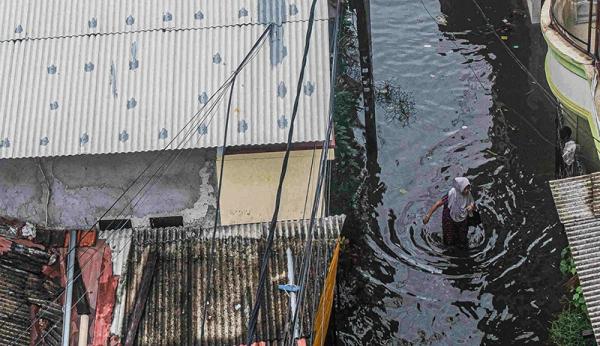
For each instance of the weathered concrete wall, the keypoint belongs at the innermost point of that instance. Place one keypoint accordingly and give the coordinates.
(75, 191)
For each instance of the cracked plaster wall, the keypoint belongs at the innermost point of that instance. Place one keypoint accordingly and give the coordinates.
(83, 187)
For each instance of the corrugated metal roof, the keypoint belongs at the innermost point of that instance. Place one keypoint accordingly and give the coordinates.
(130, 92)
(24, 289)
(575, 199)
(34, 19)
(173, 310)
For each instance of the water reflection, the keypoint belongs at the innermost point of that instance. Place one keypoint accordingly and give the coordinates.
(398, 283)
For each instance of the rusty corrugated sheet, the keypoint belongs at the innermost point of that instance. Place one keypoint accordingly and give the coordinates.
(174, 308)
(134, 90)
(24, 288)
(576, 199)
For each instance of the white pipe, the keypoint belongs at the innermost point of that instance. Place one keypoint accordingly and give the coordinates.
(84, 323)
(290, 267)
(69, 295)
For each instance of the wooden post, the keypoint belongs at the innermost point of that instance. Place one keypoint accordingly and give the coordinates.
(142, 295)
(363, 28)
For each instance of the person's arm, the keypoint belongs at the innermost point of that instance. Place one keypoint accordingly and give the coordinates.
(432, 210)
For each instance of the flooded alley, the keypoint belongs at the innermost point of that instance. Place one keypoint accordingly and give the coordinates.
(477, 114)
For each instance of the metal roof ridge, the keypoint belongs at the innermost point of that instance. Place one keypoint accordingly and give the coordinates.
(115, 33)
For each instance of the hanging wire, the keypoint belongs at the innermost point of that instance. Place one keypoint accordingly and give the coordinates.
(259, 296)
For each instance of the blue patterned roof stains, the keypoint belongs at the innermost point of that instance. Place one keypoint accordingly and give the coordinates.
(131, 103)
(84, 139)
(134, 63)
(282, 122)
(309, 88)
(123, 136)
(88, 67)
(163, 133)
(52, 69)
(242, 126)
(92, 23)
(281, 89)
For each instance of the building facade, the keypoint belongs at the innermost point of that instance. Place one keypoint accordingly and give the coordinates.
(569, 29)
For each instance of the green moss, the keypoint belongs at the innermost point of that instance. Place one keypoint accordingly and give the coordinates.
(566, 330)
(569, 325)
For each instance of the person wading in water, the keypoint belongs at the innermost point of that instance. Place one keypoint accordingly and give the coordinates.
(459, 206)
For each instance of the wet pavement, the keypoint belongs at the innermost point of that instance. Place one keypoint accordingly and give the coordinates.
(398, 284)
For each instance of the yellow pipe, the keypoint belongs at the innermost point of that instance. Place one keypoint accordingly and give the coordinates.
(326, 303)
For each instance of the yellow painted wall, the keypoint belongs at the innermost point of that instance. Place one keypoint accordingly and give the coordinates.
(250, 184)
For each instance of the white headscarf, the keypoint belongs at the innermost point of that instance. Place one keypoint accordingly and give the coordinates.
(457, 202)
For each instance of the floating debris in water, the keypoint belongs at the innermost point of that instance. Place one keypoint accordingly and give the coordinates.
(442, 19)
(398, 105)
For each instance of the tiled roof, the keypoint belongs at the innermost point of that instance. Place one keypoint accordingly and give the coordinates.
(173, 310)
(67, 88)
(577, 201)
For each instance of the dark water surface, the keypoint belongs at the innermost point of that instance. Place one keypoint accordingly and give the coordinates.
(398, 283)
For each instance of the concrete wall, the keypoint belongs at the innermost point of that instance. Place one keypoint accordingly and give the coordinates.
(75, 191)
(250, 185)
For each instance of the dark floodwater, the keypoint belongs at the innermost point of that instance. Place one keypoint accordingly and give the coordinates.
(398, 284)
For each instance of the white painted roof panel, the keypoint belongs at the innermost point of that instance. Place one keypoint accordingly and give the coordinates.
(37, 19)
(134, 91)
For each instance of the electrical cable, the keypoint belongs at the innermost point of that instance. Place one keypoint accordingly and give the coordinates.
(228, 81)
(306, 258)
(211, 256)
(267, 252)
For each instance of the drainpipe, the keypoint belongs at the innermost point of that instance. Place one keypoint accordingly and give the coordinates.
(69, 295)
(84, 323)
(290, 267)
